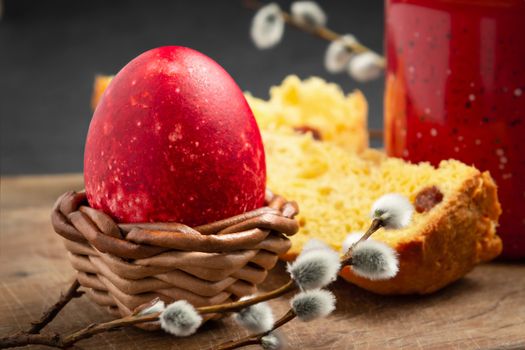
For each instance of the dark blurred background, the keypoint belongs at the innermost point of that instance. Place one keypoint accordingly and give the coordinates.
(51, 50)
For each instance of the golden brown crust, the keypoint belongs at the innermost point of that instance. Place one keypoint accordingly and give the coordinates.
(99, 86)
(459, 235)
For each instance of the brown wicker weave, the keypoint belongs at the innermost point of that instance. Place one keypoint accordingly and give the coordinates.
(126, 265)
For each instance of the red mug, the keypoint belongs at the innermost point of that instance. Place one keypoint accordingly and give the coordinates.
(455, 88)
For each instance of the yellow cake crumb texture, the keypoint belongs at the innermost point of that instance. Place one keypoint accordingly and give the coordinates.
(314, 103)
(336, 189)
(99, 86)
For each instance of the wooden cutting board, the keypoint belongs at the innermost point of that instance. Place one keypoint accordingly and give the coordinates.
(484, 310)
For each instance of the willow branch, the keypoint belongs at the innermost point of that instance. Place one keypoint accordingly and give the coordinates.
(241, 304)
(51, 313)
(58, 341)
(136, 319)
(31, 336)
(375, 133)
(255, 339)
(374, 226)
(25, 339)
(320, 32)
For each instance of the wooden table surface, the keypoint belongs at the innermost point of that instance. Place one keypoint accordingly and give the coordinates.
(484, 310)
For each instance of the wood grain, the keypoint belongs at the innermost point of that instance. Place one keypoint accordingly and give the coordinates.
(484, 310)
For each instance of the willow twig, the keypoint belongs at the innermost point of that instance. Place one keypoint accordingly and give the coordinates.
(136, 319)
(32, 337)
(255, 339)
(318, 31)
(25, 339)
(65, 341)
(241, 304)
(374, 226)
(51, 313)
(375, 133)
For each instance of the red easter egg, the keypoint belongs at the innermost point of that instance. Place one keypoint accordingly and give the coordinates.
(173, 139)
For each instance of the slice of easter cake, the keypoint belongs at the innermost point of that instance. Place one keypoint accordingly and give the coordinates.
(453, 227)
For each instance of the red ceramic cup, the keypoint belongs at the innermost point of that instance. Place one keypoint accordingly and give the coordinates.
(455, 88)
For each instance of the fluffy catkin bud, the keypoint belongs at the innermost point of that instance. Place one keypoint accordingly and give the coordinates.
(180, 318)
(157, 306)
(308, 13)
(350, 240)
(271, 342)
(267, 26)
(315, 267)
(365, 66)
(338, 54)
(257, 318)
(374, 260)
(313, 304)
(394, 210)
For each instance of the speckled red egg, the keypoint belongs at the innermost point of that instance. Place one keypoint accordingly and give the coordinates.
(173, 139)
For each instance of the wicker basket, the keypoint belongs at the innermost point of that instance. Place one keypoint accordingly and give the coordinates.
(124, 266)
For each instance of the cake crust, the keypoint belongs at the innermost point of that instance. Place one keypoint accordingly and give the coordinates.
(459, 235)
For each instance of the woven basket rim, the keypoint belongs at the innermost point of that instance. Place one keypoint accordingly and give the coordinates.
(75, 220)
